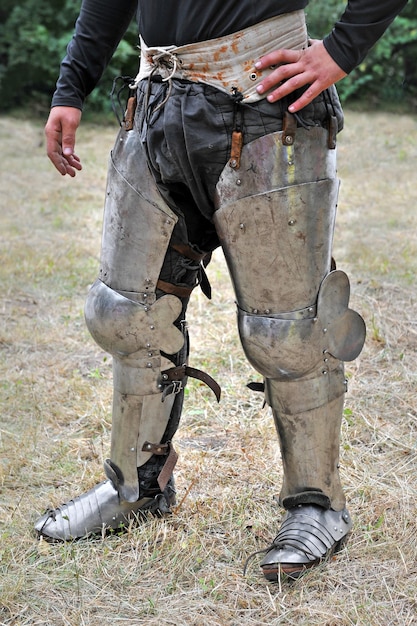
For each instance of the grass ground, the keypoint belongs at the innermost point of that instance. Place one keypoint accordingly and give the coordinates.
(55, 394)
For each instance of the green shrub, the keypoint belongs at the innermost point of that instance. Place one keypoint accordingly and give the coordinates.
(33, 40)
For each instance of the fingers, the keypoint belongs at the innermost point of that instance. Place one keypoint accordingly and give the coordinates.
(60, 131)
(290, 70)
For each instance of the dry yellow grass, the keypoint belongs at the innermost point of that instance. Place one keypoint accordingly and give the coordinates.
(55, 392)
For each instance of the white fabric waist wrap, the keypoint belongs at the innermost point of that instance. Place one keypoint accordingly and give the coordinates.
(227, 63)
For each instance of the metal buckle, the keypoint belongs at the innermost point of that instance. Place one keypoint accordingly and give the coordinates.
(177, 386)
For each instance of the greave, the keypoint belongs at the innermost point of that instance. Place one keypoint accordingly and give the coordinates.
(310, 442)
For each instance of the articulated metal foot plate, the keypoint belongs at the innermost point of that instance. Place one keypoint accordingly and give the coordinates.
(309, 534)
(96, 511)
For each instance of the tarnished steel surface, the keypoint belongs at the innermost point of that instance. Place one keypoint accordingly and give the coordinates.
(292, 232)
(136, 419)
(137, 224)
(123, 327)
(308, 534)
(345, 328)
(267, 165)
(280, 349)
(95, 511)
(310, 445)
(283, 348)
(298, 395)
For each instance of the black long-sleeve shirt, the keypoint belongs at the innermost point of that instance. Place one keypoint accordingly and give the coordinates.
(102, 24)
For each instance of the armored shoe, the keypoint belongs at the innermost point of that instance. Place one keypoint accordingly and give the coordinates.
(308, 535)
(100, 509)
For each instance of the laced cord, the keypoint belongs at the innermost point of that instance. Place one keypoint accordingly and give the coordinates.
(158, 58)
(252, 556)
(119, 107)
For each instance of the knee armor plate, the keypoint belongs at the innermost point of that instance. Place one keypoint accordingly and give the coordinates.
(292, 345)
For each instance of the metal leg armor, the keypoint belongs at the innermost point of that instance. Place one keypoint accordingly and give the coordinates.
(294, 321)
(127, 320)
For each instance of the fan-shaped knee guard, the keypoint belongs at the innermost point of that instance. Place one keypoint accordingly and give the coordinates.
(124, 316)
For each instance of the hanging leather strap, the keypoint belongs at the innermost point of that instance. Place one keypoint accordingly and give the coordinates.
(161, 449)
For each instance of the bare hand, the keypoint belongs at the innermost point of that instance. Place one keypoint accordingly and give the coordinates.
(297, 68)
(60, 132)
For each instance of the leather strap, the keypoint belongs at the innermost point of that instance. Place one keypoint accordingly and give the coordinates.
(175, 374)
(161, 449)
(168, 468)
(254, 386)
(175, 290)
(187, 251)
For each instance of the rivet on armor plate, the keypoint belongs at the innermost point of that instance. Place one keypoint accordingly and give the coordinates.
(291, 222)
(238, 182)
(267, 311)
(149, 365)
(242, 226)
(253, 76)
(152, 327)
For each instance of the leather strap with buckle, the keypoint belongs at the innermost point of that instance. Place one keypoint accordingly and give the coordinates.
(172, 380)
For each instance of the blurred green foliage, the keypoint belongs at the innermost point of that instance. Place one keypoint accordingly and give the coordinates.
(33, 40)
(389, 72)
(34, 36)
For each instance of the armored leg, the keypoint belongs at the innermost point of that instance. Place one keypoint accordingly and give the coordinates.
(294, 321)
(142, 329)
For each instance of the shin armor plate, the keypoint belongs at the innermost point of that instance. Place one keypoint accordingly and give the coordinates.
(124, 316)
(294, 321)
